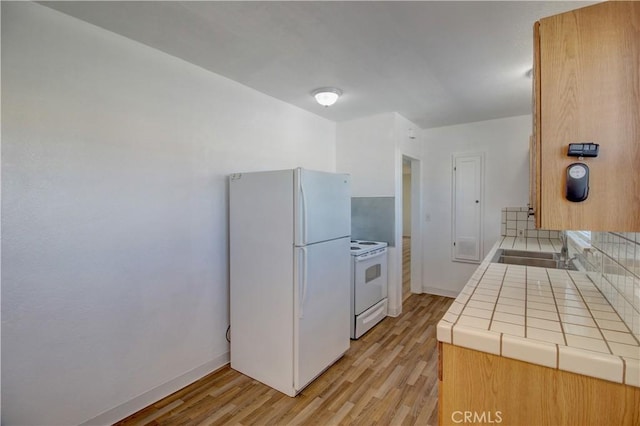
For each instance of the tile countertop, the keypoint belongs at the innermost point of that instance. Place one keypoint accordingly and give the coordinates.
(550, 317)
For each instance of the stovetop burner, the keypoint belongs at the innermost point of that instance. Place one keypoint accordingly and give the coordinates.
(360, 247)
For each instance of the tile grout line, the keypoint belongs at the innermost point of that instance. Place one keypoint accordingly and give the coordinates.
(615, 287)
(629, 331)
(623, 237)
(606, 341)
(555, 302)
(467, 301)
(495, 305)
(560, 319)
(526, 294)
(611, 304)
(591, 312)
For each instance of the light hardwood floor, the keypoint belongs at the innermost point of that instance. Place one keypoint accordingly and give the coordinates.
(406, 268)
(388, 377)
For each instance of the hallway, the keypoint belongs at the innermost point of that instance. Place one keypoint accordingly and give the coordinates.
(406, 268)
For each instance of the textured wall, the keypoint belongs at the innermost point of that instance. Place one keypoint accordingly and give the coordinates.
(505, 143)
(114, 213)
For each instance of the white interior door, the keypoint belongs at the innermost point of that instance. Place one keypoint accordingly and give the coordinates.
(468, 177)
(321, 332)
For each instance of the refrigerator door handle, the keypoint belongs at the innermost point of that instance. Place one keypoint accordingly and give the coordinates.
(303, 283)
(303, 218)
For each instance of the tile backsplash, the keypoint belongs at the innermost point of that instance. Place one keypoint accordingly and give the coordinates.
(613, 264)
(516, 222)
(373, 218)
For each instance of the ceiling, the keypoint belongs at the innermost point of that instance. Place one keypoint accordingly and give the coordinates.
(436, 63)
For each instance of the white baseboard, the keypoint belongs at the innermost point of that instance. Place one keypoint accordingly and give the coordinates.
(122, 411)
(440, 292)
(394, 311)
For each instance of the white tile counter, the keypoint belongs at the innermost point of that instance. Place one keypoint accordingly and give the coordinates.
(550, 317)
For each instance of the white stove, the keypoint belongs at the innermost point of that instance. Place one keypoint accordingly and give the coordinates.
(368, 285)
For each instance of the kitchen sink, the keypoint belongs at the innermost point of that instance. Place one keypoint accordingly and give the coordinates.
(531, 258)
(531, 254)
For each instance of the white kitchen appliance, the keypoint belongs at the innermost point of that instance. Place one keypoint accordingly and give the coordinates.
(368, 285)
(289, 274)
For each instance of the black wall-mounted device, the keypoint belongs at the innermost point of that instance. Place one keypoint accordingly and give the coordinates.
(587, 149)
(577, 182)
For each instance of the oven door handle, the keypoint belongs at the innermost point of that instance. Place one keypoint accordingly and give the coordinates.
(373, 315)
(366, 257)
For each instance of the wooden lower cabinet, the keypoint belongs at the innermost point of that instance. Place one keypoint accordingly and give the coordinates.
(480, 388)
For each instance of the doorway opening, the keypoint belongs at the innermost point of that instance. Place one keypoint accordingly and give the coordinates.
(411, 232)
(406, 228)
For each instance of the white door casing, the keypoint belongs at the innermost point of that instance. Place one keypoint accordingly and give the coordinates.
(467, 207)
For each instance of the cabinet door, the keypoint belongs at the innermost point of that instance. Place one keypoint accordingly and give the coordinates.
(534, 179)
(534, 143)
(590, 92)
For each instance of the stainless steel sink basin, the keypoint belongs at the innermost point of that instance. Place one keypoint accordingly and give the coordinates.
(533, 254)
(531, 258)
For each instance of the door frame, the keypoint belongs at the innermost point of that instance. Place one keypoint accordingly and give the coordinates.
(455, 156)
(416, 225)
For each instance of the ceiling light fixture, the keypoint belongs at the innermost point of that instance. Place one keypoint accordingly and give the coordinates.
(327, 96)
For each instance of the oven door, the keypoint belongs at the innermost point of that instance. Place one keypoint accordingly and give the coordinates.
(370, 279)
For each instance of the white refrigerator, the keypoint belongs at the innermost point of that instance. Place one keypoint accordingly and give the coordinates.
(289, 274)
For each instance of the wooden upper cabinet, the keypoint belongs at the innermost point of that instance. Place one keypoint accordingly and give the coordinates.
(534, 142)
(534, 179)
(587, 89)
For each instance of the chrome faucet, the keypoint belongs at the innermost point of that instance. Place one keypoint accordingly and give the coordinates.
(564, 252)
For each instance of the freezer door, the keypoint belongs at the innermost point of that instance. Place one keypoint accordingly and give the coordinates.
(321, 325)
(322, 206)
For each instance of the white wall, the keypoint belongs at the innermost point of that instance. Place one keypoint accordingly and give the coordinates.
(505, 143)
(411, 148)
(365, 149)
(371, 150)
(406, 204)
(114, 214)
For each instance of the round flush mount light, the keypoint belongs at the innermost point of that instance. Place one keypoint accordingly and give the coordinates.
(327, 96)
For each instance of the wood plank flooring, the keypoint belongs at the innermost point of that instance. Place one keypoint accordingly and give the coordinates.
(406, 268)
(388, 377)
